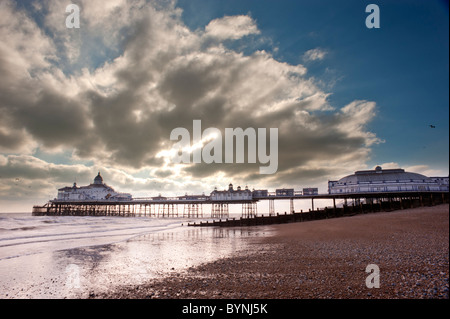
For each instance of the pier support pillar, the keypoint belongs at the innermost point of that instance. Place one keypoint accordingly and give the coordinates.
(248, 210)
(219, 210)
(168, 210)
(271, 207)
(193, 210)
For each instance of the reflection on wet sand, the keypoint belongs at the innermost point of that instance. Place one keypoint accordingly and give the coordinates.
(151, 256)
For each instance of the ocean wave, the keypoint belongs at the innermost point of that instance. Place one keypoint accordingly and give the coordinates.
(24, 228)
(23, 236)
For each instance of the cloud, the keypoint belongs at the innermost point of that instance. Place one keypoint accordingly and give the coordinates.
(103, 28)
(112, 91)
(231, 27)
(420, 169)
(316, 54)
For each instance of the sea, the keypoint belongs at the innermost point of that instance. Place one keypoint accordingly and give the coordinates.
(46, 257)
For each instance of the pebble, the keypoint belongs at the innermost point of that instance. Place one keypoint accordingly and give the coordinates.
(321, 257)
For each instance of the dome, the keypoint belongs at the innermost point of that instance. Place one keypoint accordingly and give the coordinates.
(383, 175)
(98, 180)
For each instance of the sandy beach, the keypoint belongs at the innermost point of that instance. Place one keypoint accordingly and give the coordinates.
(324, 259)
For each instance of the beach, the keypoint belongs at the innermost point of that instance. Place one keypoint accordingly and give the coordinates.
(58, 257)
(322, 259)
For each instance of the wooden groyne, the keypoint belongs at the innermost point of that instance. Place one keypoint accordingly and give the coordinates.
(334, 212)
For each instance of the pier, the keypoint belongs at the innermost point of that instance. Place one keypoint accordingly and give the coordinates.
(357, 206)
(206, 207)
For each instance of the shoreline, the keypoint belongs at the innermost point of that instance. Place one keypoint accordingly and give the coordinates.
(323, 259)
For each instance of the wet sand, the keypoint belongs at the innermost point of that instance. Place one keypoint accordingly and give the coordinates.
(77, 257)
(324, 259)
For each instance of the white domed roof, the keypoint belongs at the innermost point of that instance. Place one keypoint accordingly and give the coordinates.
(98, 180)
(380, 175)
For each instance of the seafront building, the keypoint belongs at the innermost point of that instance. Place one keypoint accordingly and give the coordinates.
(387, 180)
(231, 194)
(95, 191)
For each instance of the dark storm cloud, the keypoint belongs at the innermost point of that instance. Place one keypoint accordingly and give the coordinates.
(54, 120)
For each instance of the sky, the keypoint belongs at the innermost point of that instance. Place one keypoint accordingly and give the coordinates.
(107, 95)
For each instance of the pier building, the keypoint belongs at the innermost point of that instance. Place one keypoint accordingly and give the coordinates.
(386, 180)
(231, 194)
(98, 190)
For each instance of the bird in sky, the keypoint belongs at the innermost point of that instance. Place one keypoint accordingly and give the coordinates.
(432, 126)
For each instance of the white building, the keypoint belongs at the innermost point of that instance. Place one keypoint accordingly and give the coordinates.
(387, 180)
(96, 191)
(231, 194)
